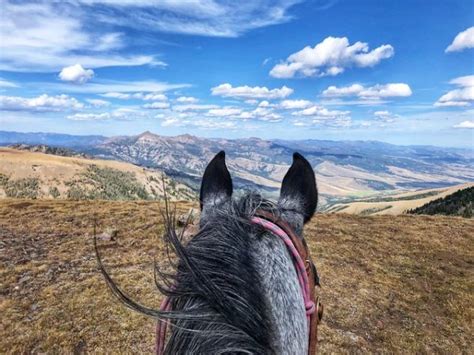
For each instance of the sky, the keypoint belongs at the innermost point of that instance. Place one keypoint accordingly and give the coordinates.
(395, 71)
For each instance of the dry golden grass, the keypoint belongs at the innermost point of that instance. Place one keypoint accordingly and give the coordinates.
(399, 284)
(400, 204)
(59, 172)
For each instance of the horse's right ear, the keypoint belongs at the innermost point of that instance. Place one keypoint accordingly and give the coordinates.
(216, 186)
(298, 189)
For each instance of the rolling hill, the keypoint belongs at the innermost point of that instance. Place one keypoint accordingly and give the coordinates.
(344, 169)
(26, 174)
(459, 203)
(394, 204)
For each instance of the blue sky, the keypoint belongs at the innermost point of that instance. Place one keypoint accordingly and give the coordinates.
(395, 71)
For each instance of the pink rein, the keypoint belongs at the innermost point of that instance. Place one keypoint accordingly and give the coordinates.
(310, 306)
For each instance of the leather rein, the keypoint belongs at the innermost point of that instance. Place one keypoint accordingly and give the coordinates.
(305, 269)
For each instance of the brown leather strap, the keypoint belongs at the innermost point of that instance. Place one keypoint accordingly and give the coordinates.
(303, 250)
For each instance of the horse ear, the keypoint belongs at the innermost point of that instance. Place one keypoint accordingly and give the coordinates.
(298, 189)
(216, 186)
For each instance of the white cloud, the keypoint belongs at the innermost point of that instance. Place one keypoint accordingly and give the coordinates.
(157, 105)
(465, 124)
(198, 123)
(248, 92)
(118, 114)
(117, 95)
(330, 57)
(112, 87)
(187, 99)
(76, 74)
(357, 102)
(463, 96)
(320, 111)
(41, 103)
(98, 102)
(136, 95)
(463, 40)
(265, 113)
(464, 81)
(335, 122)
(251, 102)
(193, 107)
(318, 115)
(385, 116)
(46, 36)
(224, 111)
(7, 84)
(334, 91)
(374, 92)
(154, 97)
(294, 104)
(196, 17)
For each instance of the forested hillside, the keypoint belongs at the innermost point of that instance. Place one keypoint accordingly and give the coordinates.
(459, 203)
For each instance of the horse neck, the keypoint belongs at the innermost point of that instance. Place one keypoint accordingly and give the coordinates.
(283, 295)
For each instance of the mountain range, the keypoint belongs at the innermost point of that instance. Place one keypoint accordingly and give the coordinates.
(344, 169)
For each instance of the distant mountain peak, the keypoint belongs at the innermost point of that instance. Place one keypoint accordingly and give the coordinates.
(147, 134)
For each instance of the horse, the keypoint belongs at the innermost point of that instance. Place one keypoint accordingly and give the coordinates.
(236, 289)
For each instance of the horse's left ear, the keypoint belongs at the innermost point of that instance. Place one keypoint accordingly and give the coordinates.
(216, 186)
(298, 189)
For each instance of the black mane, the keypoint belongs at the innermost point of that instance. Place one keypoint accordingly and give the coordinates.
(213, 306)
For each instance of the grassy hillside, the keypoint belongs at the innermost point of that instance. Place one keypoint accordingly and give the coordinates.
(460, 203)
(393, 284)
(26, 174)
(393, 204)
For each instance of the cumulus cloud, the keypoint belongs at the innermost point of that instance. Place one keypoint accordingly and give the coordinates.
(157, 105)
(153, 97)
(224, 111)
(373, 92)
(385, 116)
(337, 122)
(294, 104)
(251, 102)
(260, 113)
(137, 95)
(317, 115)
(320, 111)
(463, 40)
(98, 102)
(330, 57)
(76, 74)
(118, 114)
(193, 107)
(201, 123)
(41, 103)
(248, 92)
(462, 96)
(465, 124)
(187, 99)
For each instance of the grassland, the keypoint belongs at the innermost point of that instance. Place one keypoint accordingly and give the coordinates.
(394, 204)
(390, 284)
(25, 174)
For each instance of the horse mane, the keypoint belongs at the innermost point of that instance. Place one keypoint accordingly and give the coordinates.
(218, 303)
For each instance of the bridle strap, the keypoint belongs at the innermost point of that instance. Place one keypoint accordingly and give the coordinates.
(301, 247)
